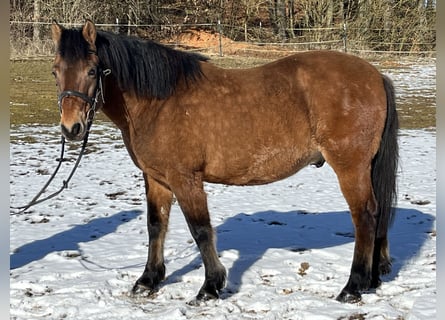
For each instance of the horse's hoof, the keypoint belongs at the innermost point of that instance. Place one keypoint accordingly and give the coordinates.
(141, 289)
(203, 297)
(385, 267)
(205, 294)
(148, 282)
(349, 297)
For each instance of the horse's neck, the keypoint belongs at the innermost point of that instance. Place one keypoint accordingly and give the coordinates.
(115, 105)
(126, 110)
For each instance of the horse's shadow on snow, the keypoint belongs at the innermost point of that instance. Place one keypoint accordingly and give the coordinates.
(252, 235)
(70, 239)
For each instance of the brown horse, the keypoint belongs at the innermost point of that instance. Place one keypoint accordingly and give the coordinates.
(185, 121)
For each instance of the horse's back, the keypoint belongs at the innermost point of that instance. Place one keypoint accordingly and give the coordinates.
(263, 124)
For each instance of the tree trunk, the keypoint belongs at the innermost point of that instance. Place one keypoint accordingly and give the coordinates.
(290, 15)
(36, 19)
(329, 13)
(277, 13)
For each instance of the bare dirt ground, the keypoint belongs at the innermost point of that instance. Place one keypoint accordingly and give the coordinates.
(214, 44)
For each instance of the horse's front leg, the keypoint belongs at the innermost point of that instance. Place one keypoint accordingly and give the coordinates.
(159, 201)
(192, 199)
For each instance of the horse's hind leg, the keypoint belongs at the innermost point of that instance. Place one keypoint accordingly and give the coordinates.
(381, 262)
(193, 202)
(355, 183)
(159, 201)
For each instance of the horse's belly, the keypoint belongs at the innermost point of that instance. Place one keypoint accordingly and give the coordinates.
(265, 166)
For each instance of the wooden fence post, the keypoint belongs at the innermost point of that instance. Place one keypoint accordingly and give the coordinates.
(220, 38)
(36, 18)
(116, 28)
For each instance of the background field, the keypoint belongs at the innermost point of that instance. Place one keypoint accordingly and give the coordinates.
(33, 91)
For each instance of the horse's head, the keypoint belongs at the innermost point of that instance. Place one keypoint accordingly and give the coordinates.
(78, 77)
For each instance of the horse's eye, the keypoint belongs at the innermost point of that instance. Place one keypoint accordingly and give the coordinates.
(92, 72)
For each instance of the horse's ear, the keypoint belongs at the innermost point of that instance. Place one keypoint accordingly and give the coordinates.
(89, 33)
(56, 30)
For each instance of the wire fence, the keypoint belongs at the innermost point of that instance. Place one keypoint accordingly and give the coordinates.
(31, 39)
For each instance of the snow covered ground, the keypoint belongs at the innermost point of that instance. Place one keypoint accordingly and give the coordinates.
(287, 246)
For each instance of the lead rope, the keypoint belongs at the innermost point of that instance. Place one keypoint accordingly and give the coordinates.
(90, 117)
(36, 199)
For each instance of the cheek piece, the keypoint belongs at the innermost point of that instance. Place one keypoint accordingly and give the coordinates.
(92, 101)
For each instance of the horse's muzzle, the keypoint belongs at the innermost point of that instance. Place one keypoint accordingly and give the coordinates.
(75, 133)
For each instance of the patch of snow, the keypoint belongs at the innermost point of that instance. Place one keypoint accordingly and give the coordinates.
(287, 246)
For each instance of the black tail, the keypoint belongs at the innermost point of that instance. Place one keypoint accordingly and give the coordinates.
(384, 164)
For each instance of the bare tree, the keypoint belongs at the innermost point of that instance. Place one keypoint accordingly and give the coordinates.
(372, 24)
(277, 11)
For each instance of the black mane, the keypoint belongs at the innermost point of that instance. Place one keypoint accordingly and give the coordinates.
(143, 67)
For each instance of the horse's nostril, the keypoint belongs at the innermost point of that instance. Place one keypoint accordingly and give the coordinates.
(64, 130)
(76, 129)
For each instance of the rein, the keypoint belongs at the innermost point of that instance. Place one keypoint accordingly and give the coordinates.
(92, 101)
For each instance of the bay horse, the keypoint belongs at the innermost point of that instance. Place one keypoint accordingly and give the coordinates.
(185, 121)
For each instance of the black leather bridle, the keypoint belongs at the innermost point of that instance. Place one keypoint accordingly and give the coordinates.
(92, 101)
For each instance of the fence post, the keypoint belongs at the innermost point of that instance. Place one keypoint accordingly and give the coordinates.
(36, 19)
(261, 30)
(116, 28)
(220, 38)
